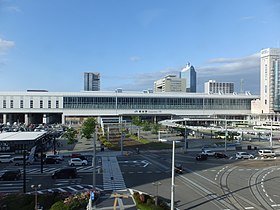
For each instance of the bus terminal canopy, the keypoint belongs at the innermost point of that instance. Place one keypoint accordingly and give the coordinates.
(21, 136)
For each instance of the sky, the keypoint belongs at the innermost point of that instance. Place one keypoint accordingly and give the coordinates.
(49, 44)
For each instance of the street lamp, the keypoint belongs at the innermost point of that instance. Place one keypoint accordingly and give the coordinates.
(36, 187)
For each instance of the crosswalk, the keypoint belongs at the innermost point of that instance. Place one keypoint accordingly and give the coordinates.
(112, 175)
(34, 171)
(12, 186)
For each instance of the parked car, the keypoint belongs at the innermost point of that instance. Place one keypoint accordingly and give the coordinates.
(7, 175)
(77, 162)
(57, 157)
(208, 152)
(220, 155)
(50, 161)
(74, 155)
(65, 173)
(244, 155)
(178, 168)
(201, 157)
(6, 159)
(266, 153)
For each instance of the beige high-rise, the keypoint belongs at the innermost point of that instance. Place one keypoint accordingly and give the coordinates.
(270, 80)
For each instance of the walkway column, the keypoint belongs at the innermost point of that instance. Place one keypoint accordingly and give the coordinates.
(26, 119)
(5, 118)
(155, 119)
(63, 119)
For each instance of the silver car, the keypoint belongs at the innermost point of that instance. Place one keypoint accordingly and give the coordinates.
(244, 155)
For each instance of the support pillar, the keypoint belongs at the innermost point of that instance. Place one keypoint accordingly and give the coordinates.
(63, 119)
(5, 118)
(26, 119)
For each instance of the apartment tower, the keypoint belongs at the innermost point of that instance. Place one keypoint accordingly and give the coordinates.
(91, 81)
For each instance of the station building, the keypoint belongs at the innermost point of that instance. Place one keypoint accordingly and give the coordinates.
(72, 107)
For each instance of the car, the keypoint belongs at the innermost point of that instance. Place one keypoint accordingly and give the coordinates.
(74, 155)
(208, 152)
(220, 155)
(8, 175)
(266, 153)
(18, 160)
(82, 157)
(57, 157)
(65, 173)
(201, 157)
(50, 161)
(77, 162)
(178, 168)
(244, 155)
(6, 159)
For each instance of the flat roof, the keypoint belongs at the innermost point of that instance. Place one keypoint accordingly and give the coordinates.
(21, 136)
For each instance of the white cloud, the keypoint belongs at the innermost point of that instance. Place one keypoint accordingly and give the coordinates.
(134, 58)
(5, 45)
(230, 66)
(12, 9)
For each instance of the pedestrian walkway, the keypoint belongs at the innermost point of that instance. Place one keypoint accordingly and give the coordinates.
(112, 175)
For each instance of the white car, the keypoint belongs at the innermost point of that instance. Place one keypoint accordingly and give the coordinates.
(208, 152)
(266, 153)
(244, 155)
(77, 162)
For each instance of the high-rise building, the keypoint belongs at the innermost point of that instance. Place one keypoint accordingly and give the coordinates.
(188, 73)
(170, 83)
(91, 81)
(213, 87)
(270, 80)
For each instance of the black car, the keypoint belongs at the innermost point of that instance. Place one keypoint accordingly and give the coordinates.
(178, 168)
(50, 161)
(10, 175)
(65, 173)
(220, 155)
(201, 157)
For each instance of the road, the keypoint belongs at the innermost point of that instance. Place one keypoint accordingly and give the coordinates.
(211, 184)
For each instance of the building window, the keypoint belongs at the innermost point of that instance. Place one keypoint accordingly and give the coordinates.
(31, 104)
(57, 104)
(49, 104)
(41, 104)
(265, 101)
(21, 104)
(11, 104)
(4, 104)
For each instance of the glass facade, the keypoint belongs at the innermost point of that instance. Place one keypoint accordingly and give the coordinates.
(156, 103)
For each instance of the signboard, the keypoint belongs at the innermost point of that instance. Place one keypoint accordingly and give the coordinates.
(92, 196)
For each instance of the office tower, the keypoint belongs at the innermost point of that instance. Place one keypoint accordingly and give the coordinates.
(213, 87)
(170, 83)
(91, 81)
(188, 73)
(270, 80)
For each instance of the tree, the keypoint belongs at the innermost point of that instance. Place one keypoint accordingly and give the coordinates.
(136, 120)
(155, 128)
(88, 128)
(70, 135)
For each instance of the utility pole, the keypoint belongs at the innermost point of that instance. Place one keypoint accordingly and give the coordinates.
(24, 169)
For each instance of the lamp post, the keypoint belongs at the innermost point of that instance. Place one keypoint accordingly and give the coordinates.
(173, 176)
(36, 187)
(226, 133)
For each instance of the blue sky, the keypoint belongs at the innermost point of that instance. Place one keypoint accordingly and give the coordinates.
(131, 43)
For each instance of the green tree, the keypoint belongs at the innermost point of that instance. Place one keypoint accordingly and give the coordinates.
(146, 126)
(136, 120)
(88, 128)
(155, 128)
(70, 135)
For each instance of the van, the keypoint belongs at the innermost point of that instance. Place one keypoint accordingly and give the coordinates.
(6, 159)
(266, 153)
(18, 160)
(65, 173)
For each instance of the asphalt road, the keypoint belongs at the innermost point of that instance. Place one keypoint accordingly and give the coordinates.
(211, 184)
